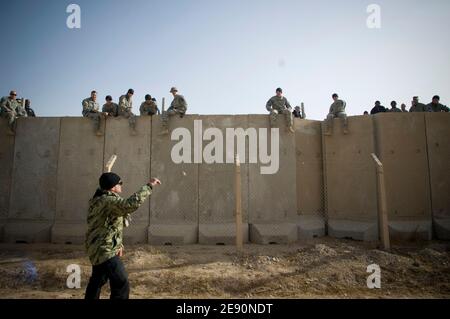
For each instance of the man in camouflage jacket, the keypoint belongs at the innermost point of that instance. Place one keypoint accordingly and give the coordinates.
(105, 234)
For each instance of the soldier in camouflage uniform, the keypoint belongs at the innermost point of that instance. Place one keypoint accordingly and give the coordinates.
(337, 109)
(110, 108)
(418, 107)
(10, 108)
(394, 107)
(278, 104)
(126, 107)
(435, 106)
(177, 107)
(403, 108)
(149, 106)
(28, 109)
(104, 236)
(91, 110)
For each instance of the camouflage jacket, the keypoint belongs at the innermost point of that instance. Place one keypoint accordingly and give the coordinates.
(149, 108)
(111, 109)
(179, 103)
(105, 222)
(419, 107)
(338, 107)
(438, 107)
(8, 105)
(125, 104)
(89, 105)
(277, 103)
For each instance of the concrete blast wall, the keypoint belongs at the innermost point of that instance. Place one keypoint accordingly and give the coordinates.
(324, 184)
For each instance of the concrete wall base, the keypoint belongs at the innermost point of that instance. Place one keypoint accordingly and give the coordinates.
(410, 230)
(68, 233)
(2, 232)
(273, 233)
(27, 232)
(365, 231)
(310, 226)
(220, 234)
(442, 228)
(160, 234)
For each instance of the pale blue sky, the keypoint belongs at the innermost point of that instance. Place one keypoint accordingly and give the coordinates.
(226, 57)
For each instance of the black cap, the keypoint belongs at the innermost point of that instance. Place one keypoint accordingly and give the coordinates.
(109, 180)
(148, 97)
(335, 95)
(130, 91)
(436, 97)
(279, 90)
(108, 98)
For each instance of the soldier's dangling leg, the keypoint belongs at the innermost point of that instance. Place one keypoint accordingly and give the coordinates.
(289, 120)
(132, 122)
(329, 124)
(344, 121)
(97, 119)
(273, 118)
(12, 121)
(165, 119)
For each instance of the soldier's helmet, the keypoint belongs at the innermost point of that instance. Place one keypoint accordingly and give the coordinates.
(173, 89)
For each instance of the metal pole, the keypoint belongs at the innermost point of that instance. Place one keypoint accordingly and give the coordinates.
(239, 239)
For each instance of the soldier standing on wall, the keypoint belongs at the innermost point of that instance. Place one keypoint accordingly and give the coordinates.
(435, 106)
(337, 109)
(418, 107)
(278, 104)
(105, 234)
(91, 110)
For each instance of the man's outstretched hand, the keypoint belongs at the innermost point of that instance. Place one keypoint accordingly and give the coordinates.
(154, 181)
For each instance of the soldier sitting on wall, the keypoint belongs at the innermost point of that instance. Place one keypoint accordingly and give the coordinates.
(91, 110)
(10, 110)
(337, 109)
(149, 106)
(278, 104)
(110, 108)
(418, 107)
(394, 107)
(28, 109)
(177, 107)
(126, 109)
(435, 106)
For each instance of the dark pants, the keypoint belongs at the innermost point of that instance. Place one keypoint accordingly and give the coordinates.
(113, 270)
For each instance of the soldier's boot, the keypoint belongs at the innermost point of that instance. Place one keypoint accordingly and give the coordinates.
(290, 122)
(10, 132)
(273, 119)
(345, 130)
(133, 128)
(345, 126)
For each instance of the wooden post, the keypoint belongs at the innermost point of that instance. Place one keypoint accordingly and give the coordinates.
(110, 163)
(163, 104)
(303, 110)
(239, 239)
(382, 205)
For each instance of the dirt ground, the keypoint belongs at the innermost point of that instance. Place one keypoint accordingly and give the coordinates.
(320, 268)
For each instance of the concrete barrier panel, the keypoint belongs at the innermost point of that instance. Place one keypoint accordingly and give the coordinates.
(133, 166)
(272, 197)
(33, 188)
(173, 205)
(350, 180)
(401, 145)
(438, 132)
(80, 165)
(217, 223)
(6, 164)
(308, 148)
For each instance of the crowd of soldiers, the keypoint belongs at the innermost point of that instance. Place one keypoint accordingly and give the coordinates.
(149, 107)
(12, 108)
